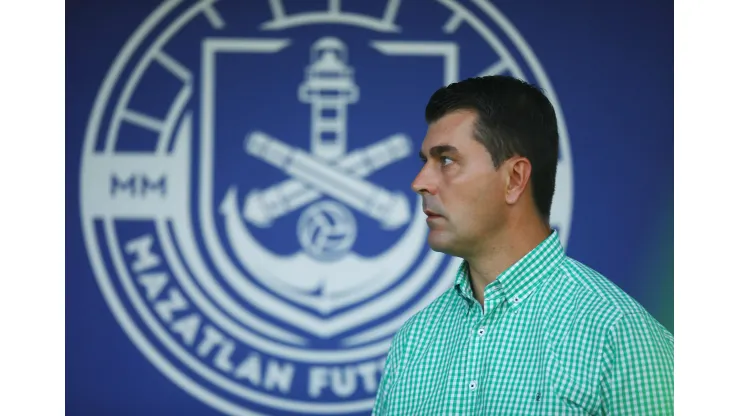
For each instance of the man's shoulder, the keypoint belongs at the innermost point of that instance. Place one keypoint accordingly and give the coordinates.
(431, 313)
(602, 296)
(423, 324)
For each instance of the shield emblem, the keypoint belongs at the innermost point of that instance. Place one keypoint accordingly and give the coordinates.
(304, 201)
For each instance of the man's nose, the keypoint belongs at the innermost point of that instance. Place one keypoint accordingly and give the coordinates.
(422, 182)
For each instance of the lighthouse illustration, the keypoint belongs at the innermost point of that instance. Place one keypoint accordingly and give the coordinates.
(327, 229)
(329, 87)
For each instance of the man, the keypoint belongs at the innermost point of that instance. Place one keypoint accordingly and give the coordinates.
(525, 330)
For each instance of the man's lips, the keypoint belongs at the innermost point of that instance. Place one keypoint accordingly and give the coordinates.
(431, 214)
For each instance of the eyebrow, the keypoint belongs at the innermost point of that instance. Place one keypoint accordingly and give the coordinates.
(437, 151)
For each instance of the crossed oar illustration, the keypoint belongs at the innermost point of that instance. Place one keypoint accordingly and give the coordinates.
(311, 178)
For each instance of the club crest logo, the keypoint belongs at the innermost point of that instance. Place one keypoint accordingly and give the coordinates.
(245, 189)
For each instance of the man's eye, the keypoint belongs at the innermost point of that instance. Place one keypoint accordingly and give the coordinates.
(445, 160)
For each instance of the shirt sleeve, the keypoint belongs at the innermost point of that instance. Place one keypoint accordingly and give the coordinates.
(386, 381)
(637, 372)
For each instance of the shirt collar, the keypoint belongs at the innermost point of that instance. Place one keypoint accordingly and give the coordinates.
(517, 282)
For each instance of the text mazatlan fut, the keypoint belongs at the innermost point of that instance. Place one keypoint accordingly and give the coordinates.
(228, 355)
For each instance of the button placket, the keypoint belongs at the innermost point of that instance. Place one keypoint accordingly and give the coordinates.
(470, 381)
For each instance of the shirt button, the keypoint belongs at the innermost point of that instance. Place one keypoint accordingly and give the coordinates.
(516, 299)
(473, 385)
(482, 331)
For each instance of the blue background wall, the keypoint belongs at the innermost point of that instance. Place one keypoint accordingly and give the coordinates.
(610, 63)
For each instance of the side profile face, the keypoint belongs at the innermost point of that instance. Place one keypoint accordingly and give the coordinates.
(464, 195)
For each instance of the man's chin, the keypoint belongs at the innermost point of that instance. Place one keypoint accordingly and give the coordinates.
(441, 245)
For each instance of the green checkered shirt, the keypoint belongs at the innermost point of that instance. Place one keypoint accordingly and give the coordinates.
(554, 338)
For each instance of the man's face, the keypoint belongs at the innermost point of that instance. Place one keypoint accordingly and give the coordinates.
(462, 191)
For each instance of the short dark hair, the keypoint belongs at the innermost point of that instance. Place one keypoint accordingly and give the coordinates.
(514, 119)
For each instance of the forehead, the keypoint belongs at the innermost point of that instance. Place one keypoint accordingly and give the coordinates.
(455, 129)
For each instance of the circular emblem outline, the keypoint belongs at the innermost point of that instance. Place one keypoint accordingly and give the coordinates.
(91, 241)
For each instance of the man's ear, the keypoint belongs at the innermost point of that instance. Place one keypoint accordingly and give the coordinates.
(518, 170)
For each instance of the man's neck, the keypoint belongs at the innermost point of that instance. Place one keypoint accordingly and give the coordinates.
(510, 246)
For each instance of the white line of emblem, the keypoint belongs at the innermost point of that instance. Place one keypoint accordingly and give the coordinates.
(143, 120)
(461, 13)
(447, 50)
(332, 14)
(278, 12)
(453, 23)
(213, 17)
(143, 65)
(391, 10)
(174, 66)
(335, 6)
